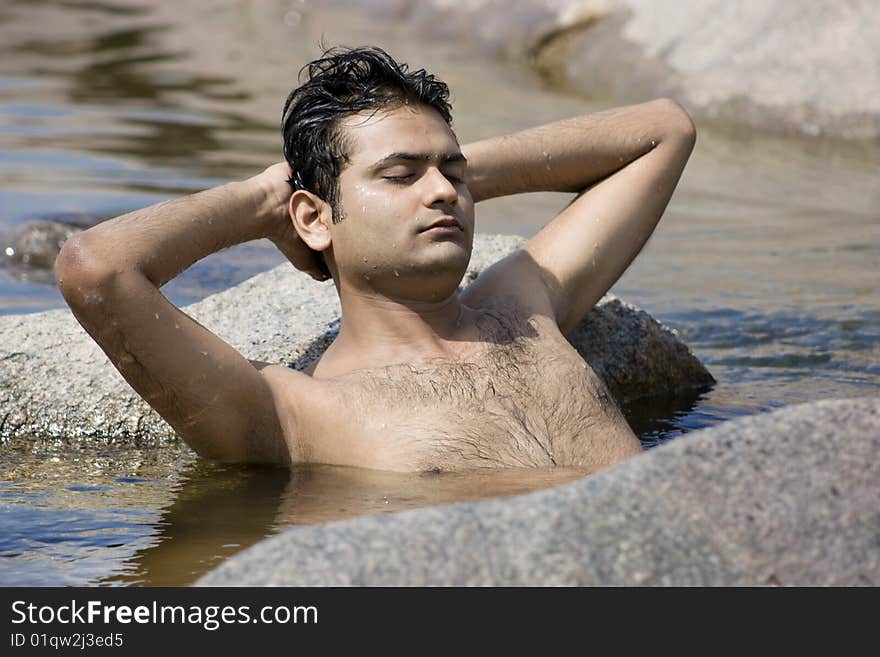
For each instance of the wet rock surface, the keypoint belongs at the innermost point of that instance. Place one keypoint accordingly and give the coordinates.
(806, 68)
(783, 498)
(56, 384)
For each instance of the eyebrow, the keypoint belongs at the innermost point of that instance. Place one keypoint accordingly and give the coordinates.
(443, 158)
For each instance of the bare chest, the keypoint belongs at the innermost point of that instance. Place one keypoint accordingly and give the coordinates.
(530, 401)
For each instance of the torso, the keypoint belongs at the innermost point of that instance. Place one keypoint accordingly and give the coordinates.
(520, 397)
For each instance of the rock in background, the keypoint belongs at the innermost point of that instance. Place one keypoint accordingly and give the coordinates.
(797, 67)
(56, 383)
(35, 243)
(783, 498)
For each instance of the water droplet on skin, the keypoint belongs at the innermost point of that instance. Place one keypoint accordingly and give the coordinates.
(204, 353)
(365, 259)
(653, 143)
(156, 315)
(10, 251)
(396, 273)
(176, 325)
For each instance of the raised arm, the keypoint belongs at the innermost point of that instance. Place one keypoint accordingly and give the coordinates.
(222, 405)
(624, 163)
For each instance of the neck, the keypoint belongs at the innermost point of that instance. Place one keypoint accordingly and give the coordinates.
(381, 328)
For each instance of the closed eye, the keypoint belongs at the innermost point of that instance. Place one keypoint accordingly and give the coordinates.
(408, 177)
(399, 179)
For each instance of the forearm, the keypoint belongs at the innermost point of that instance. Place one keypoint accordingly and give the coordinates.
(216, 400)
(573, 154)
(165, 239)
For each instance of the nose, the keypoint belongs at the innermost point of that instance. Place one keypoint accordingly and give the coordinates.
(439, 190)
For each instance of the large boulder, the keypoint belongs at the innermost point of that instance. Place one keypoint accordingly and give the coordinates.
(784, 498)
(790, 67)
(55, 383)
(803, 67)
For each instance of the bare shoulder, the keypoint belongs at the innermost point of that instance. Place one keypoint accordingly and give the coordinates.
(289, 389)
(516, 278)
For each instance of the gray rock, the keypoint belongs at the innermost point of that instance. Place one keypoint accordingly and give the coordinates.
(56, 384)
(808, 68)
(784, 498)
(35, 243)
(790, 67)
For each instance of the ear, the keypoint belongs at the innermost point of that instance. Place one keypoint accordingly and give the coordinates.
(311, 217)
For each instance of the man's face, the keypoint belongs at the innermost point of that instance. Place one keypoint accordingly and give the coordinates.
(405, 174)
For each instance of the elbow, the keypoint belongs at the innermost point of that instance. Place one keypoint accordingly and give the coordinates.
(676, 123)
(80, 273)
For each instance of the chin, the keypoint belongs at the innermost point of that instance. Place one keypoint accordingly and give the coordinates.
(451, 264)
(450, 254)
(433, 281)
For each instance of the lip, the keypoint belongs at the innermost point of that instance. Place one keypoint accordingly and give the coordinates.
(444, 224)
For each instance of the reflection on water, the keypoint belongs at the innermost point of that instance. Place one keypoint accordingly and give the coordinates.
(220, 510)
(73, 515)
(216, 511)
(109, 517)
(767, 262)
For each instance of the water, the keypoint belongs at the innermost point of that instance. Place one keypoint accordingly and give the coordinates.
(113, 515)
(766, 262)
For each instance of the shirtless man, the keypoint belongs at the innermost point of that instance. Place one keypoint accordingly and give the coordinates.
(421, 377)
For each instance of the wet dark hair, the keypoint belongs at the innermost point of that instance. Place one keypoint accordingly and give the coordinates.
(346, 81)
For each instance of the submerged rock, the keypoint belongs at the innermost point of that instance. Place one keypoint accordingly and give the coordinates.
(56, 383)
(783, 498)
